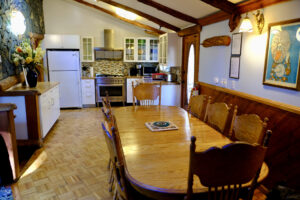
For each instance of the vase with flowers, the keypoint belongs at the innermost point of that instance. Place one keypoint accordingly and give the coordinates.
(29, 59)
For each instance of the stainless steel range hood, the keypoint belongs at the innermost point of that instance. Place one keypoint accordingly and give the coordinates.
(108, 52)
(108, 39)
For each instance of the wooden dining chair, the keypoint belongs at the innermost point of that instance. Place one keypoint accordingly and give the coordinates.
(217, 114)
(248, 127)
(146, 93)
(123, 189)
(197, 106)
(224, 170)
(116, 155)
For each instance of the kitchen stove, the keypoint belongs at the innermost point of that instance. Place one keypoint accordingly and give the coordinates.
(113, 85)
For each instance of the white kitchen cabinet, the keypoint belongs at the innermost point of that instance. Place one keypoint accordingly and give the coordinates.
(87, 49)
(49, 109)
(56, 41)
(88, 92)
(129, 81)
(141, 49)
(170, 95)
(170, 49)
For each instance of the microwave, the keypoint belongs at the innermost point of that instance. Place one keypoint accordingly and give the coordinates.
(148, 71)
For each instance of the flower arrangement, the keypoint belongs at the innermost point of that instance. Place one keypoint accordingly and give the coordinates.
(25, 56)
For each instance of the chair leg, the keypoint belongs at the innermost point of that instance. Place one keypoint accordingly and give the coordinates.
(109, 163)
(110, 179)
(115, 197)
(111, 185)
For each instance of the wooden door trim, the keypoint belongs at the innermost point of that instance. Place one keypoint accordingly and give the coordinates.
(188, 40)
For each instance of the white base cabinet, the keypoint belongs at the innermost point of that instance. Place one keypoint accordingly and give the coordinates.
(170, 95)
(88, 91)
(49, 109)
(129, 98)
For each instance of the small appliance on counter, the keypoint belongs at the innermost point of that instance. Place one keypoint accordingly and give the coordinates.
(149, 70)
(170, 77)
(132, 71)
(139, 70)
(158, 76)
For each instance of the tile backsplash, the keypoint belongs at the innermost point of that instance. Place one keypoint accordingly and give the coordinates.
(110, 67)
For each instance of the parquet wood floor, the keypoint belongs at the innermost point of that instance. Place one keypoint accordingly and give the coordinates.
(72, 163)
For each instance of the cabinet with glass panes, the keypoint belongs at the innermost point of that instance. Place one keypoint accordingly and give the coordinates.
(129, 49)
(141, 49)
(87, 49)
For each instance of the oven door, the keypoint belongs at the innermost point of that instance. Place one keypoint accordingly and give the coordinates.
(114, 91)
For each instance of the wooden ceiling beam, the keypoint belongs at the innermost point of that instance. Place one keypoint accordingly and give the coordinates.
(244, 7)
(189, 31)
(213, 18)
(251, 5)
(223, 5)
(142, 14)
(144, 26)
(170, 11)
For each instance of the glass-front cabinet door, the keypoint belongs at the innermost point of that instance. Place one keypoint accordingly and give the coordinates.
(129, 47)
(87, 49)
(142, 49)
(153, 53)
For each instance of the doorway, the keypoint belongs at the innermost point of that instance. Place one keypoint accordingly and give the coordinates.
(190, 66)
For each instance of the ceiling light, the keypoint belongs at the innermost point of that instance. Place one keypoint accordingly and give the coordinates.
(246, 25)
(17, 23)
(126, 14)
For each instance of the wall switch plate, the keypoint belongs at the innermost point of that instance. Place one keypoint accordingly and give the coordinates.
(0, 59)
(224, 82)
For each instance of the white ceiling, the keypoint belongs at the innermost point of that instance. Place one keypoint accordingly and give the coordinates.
(194, 8)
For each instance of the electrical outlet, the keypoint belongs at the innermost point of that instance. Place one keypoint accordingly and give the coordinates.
(224, 82)
(233, 85)
(216, 80)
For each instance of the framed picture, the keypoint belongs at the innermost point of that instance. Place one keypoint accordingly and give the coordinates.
(234, 71)
(236, 44)
(282, 55)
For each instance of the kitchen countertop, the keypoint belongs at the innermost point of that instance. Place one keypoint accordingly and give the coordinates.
(19, 90)
(85, 77)
(139, 77)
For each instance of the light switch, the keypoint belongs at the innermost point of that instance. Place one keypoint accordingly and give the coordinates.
(0, 59)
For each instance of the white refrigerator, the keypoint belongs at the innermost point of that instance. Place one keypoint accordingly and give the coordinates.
(64, 67)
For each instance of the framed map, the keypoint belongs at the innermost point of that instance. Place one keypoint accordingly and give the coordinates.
(282, 55)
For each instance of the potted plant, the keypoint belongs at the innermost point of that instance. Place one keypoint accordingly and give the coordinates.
(29, 59)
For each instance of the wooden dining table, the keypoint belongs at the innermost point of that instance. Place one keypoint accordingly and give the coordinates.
(157, 163)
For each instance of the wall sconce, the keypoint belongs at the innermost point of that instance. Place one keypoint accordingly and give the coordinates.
(260, 21)
(17, 23)
(246, 25)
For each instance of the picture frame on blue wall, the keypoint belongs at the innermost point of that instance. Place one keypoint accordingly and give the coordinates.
(236, 44)
(234, 69)
(282, 61)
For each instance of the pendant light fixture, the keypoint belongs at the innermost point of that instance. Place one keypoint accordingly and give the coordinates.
(246, 25)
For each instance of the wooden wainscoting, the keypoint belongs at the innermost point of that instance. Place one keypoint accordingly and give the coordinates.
(284, 120)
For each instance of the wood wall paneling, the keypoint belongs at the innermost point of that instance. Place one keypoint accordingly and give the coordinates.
(284, 120)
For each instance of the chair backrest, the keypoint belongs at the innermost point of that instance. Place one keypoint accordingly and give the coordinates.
(197, 105)
(146, 93)
(114, 146)
(224, 170)
(217, 115)
(106, 109)
(248, 127)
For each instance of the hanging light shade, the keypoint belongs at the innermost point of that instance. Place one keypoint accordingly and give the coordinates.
(246, 25)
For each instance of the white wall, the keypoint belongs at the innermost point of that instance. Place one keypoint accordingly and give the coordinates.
(70, 17)
(214, 61)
